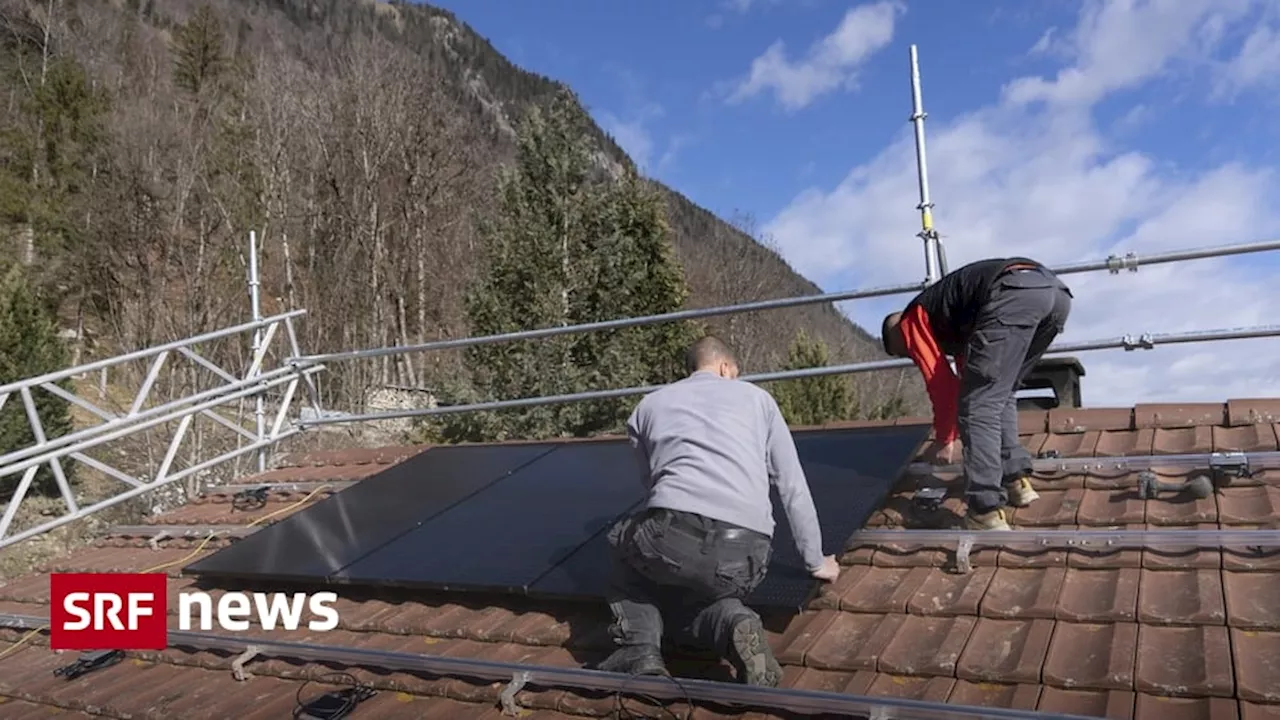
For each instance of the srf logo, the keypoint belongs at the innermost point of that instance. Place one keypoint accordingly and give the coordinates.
(129, 611)
(108, 611)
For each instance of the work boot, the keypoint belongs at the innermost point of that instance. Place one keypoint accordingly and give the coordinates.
(994, 520)
(1021, 493)
(750, 654)
(635, 660)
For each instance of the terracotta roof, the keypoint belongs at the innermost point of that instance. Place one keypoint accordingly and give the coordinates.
(1124, 634)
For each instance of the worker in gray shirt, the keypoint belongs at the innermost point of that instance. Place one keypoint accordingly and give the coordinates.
(709, 447)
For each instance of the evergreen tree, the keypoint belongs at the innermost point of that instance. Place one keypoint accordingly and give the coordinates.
(566, 248)
(813, 400)
(29, 346)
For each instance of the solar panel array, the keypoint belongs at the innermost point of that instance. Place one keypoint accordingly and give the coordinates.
(532, 518)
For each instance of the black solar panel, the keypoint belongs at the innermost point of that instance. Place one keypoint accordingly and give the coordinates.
(338, 531)
(533, 518)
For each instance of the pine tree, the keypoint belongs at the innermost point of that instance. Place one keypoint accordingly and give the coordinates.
(813, 400)
(567, 248)
(29, 346)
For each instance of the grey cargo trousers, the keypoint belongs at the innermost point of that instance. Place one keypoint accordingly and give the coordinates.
(687, 570)
(1026, 310)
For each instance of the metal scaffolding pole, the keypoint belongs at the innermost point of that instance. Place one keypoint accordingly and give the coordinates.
(1113, 263)
(1146, 341)
(255, 300)
(932, 256)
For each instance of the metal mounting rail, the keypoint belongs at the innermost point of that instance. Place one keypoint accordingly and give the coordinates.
(1095, 540)
(1217, 461)
(1146, 341)
(177, 531)
(1101, 538)
(546, 677)
(1113, 263)
(300, 486)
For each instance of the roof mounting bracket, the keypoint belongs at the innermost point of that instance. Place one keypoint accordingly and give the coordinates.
(153, 542)
(88, 662)
(963, 546)
(508, 697)
(237, 666)
(1227, 466)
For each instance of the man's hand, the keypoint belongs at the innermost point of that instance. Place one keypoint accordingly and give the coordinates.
(945, 453)
(830, 569)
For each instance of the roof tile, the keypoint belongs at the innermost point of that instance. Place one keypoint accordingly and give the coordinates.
(1181, 597)
(1184, 661)
(1161, 415)
(927, 646)
(1097, 657)
(1119, 443)
(1080, 420)
(853, 641)
(984, 694)
(1248, 505)
(1055, 507)
(927, 689)
(1099, 595)
(1023, 593)
(947, 593)
(1157, 707)
(1076, 444)
(1251, 600)
(1182, 441)
(1250, 411)
(1110, 507)
(1174, 558)
(1254, 437)
(1006, 651)
(1115, 704)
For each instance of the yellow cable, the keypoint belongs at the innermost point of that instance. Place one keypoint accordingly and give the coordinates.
(190, 555)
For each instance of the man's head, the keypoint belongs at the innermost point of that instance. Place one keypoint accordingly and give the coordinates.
(711, 354)
(891, 335)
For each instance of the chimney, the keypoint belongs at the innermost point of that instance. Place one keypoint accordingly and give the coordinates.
(1060, 377)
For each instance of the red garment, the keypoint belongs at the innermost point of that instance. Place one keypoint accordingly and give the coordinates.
(943, 384)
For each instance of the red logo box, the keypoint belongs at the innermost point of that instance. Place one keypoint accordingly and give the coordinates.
(108, 611)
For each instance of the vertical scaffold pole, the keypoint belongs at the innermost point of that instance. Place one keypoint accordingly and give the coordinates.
(932, 253)
(254, 300)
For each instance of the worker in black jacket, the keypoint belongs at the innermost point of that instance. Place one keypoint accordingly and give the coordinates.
(996, 318)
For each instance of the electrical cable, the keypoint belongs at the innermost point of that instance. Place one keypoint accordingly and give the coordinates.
(622, 712)
(332, 705)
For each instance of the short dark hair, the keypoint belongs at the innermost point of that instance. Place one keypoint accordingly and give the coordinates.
(886, 328)
(707, 350)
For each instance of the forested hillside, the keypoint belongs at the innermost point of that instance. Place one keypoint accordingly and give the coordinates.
(141, 141)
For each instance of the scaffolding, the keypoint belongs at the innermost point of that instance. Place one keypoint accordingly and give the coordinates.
(295, 368)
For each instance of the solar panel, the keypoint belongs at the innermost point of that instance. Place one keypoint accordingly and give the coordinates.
(516, 529)
(336, 532)
(533, 518)
(849, 474)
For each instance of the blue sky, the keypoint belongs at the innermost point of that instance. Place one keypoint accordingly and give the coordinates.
(1062, 130)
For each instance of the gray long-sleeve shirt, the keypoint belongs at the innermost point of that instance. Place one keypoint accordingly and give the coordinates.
(712, 446)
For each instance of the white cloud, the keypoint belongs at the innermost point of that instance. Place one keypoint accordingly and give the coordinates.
(830, 63)
(1121, 43)
(1257, 63)
(1045, 181)
(632, 135)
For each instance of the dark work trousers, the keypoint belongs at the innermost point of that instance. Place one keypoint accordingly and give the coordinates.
(1027, 309)
(686, 570)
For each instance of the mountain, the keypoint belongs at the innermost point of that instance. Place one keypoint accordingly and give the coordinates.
(361, 139)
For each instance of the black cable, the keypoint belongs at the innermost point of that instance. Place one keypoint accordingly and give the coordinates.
(622, 712)
(248, 500)
(332, 705)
